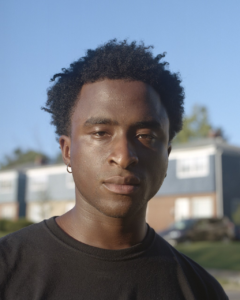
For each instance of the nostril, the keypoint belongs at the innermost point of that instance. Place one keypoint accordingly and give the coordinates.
(123, 154)
(134, 160)
(124, 161)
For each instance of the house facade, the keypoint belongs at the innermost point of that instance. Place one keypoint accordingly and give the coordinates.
(12, 194)
(203, 180)
(50, 191)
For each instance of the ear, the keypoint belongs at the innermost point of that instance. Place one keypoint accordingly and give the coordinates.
(65, 145)
(169, 149)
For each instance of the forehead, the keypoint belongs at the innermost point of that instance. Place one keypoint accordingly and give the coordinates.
(121, 100)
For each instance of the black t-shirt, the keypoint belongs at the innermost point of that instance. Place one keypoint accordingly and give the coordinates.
(42, 262)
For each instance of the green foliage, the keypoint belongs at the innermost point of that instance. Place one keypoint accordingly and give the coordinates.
(213, 255)
(236, 215)
(11, 226)
(197, 126)
(20, 157)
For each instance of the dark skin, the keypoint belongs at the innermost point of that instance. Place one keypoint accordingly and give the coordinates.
(118, 150)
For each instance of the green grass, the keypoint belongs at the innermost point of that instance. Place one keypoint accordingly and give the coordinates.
(213, 255)
(3, 234)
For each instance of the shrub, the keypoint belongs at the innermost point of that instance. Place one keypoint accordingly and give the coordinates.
(11, 226)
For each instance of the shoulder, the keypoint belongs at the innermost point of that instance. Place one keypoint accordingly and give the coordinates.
(202, 284)
(22, 235)
(20, 254)
(20, 247)
(14, 243)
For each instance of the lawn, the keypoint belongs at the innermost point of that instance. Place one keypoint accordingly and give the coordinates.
(2, 234)
(213, 255)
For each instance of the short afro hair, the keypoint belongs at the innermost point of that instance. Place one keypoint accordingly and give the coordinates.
(115, 60)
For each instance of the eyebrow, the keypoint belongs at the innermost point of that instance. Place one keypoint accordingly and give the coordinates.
(100, 121)
(148, 124)
(106, 121)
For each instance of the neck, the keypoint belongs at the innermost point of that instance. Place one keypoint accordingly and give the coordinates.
(87, 225)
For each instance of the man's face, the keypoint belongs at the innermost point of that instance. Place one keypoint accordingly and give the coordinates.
(119, 146)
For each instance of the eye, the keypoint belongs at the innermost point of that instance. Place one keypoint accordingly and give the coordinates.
(148, 137)
(100, 133)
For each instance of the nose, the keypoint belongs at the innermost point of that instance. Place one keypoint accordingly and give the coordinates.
(123, 154)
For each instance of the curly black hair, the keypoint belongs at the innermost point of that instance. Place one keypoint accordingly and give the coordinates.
(115, 60)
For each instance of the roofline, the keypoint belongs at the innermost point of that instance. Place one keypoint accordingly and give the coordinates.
(217, 143)
(47, 170)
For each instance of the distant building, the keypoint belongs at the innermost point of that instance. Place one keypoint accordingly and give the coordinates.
(12, 194)
(50, 191)
(36, 193)
(203, 180)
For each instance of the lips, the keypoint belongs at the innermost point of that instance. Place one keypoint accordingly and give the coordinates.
(122, 185)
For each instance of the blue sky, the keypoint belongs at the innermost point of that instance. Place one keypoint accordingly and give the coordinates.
(38, 38)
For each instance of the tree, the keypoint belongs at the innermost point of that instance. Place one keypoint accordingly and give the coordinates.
(197, 126)
(20, 157)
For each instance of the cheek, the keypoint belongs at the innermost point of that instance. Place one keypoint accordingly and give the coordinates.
(157, 171)
(158, 161)
(80, 160)
(163, 164)
(86, 161)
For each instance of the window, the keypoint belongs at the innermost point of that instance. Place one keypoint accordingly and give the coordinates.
(193, 167)
(196, 207)
(69, 181)
(38, 183)
(8, 212)
(6, 186)
(182, 209)
(202, 207)
(35, 213)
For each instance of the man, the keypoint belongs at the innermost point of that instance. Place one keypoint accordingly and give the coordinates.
(116, 111)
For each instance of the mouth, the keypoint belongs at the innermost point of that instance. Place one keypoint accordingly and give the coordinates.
(122, 185)
(124, 189)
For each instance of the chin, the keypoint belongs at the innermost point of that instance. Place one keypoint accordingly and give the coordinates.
(119, 209)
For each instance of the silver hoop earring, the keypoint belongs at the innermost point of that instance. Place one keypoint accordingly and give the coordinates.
(68, 169)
